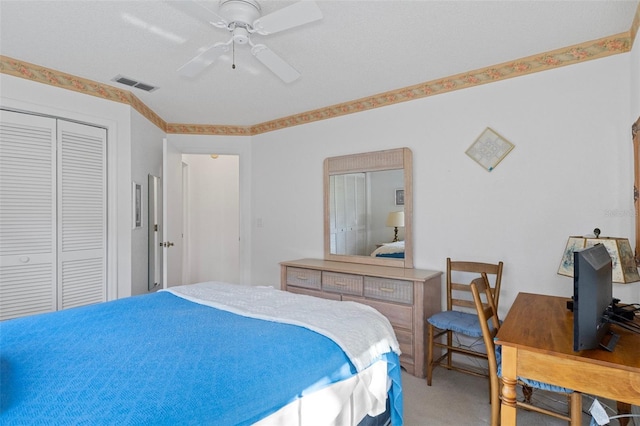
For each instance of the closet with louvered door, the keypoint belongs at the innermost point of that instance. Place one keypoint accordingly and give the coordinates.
(348, 215)
(52, 214)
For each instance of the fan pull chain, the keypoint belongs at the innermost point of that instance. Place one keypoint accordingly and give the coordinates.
(233, 61)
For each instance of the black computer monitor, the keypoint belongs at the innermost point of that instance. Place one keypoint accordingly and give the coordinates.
(592, 296)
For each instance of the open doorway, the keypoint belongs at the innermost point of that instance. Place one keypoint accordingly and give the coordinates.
(211, 232)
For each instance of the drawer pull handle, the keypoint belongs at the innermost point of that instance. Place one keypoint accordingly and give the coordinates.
(340, 283)
(302, 277)
(387, 290)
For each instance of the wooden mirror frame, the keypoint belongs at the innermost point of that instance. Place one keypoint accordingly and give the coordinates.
(400, 158)
(635, 134)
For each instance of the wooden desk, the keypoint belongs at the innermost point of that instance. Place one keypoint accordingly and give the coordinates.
(537, 343)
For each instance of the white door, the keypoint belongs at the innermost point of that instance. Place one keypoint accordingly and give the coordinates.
(27, 214)
(82, 221)
(172, 214)
(52, 214)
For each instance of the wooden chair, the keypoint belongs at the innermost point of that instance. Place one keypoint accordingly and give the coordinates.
(490, 324)
(459, 318)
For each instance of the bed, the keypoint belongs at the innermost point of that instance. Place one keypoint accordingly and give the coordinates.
(209, 353)
(392, 250)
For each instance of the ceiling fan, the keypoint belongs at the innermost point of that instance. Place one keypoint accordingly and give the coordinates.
(242, 18)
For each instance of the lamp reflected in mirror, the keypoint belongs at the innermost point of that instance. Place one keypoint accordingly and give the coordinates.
(395, 220)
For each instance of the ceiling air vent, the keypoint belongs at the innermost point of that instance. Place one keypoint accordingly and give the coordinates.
(134, 83)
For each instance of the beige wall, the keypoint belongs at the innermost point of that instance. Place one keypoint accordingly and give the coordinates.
(571, 171)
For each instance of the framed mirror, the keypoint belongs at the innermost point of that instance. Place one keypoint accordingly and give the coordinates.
(368, 208)
(635, 134)
(154, 219)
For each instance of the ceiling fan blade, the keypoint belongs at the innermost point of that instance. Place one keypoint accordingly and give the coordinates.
(202, 11)
(275, 63)
(196, 65)
(297, 14)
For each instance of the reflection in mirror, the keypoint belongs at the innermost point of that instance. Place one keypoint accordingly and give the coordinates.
(368, 201)
(360, 204)
(155, 232)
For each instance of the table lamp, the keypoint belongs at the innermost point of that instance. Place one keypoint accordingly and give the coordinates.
(624, 269)
(395, 219)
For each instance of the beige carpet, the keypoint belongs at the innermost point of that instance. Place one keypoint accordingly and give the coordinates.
(461, 399)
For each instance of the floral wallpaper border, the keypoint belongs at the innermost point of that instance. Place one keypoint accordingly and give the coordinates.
(595, 49)
(56, 78)
(561, 57)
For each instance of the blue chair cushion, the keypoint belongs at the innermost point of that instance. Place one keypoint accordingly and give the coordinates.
(531, 383)
(460, 322)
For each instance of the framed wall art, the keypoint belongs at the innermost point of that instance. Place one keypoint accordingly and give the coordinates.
(489, 149)
(137, 205)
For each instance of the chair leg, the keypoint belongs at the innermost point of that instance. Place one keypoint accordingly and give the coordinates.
(623, 408)
(449, 343)
(430, 355)
(495, 387)
(527, 392)
(576, 408)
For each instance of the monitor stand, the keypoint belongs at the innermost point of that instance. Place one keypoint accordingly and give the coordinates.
(609, 341)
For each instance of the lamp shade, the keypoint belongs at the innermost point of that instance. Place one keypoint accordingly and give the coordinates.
(624, 268)
(395, 219)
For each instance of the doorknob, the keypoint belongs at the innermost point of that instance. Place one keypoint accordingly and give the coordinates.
(166, 244)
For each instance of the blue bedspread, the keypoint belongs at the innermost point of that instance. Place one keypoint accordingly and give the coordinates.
(160, 359)
(391, 255)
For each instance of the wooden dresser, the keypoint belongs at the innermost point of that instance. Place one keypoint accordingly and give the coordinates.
(405, 296)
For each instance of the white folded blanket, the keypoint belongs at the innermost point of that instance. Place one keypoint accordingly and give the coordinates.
(389, 248)
(363, 333)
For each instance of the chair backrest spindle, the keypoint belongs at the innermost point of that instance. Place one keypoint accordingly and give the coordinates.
(459, 294)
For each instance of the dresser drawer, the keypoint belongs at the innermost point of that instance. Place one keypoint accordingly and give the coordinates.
(404, 296)
(398, 315)
(405, 339)
(335, 282)
(399, 291)
(308, 278)
(314, 293)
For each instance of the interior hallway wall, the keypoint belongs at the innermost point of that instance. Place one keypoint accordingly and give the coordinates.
(213, 218)
(146, 158)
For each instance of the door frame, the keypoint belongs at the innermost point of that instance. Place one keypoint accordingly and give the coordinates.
(228, 145)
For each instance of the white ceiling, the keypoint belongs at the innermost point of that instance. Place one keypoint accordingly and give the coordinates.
(360, 48)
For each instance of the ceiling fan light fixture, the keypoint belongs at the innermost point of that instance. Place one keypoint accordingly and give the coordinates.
(240, 35)
(239, 11)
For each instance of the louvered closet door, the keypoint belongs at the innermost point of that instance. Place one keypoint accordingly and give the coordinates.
(82, 214)
(27, 214)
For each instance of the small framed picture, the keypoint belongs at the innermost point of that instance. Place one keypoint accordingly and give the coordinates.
(489, 149)
(137, 205)
(399, 197)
